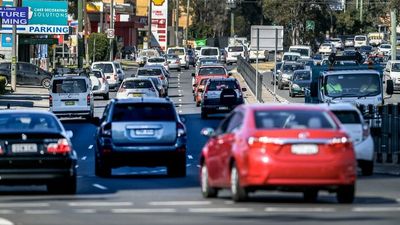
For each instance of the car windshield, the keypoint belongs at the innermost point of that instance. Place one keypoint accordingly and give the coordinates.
(176, 51)
(385, 46)
(318, 57)
(366, 48)
(28, 122)
(302, 51)
(107, 67)
(290, 57)
(137, 84)
(290, 68)
(360, 38)
(143, 112)
(148, 53)
(209, 51)
(352, 85)
(156, 60)
(301, 76)
(293, 119)
(220, 85)
(347, 116)
(212, 71)
(69, 86)
(396, 67)
(149, 72)
(235, 49)
(326, 45)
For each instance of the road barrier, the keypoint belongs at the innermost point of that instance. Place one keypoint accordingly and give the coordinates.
(248, 73)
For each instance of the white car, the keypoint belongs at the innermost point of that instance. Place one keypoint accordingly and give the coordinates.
(137, 87)
(392, 72)
(209, 52)
(71, 96)
(234, 51)
(100, 84)
(154, 71)
(358, 130)
(114, 75)
(144, 54)
(349, 42)
(327, 48)
(154, 61)
(291, 56)
(385, 49)
(182, 53)
(337, 42)
(360, 40)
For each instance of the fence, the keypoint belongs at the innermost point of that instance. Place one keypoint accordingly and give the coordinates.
(249, 75)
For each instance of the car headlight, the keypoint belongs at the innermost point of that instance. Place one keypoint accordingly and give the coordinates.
(296, 86)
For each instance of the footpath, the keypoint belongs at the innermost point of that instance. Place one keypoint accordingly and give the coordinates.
(268, 98)
(26, 97)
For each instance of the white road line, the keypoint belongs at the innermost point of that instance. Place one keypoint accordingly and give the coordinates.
(180, 95)
(179, 86)
(179, 203)
(99, 204)
(5, 222)
(198, 166)
(90, 146)
(24, 205)
(294, 210)
(41, 212)
(6, 211)
(190, 157)
(219, 210)
(166, 210)
(180, 111)
(179, 90)
(376, 209)
(84, 158)
(85, 211)
(180, 99)
(100, 186)
(227, 202)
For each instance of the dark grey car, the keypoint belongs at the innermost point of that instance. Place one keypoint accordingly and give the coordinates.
(26, 74)
(286, 73)
(300, 81)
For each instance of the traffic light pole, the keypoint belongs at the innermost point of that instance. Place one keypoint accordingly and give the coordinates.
(14, 55)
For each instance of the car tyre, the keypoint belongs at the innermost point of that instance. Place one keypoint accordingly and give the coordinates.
(101, 169)
(206, 190)
(64, 186)
(239, 194)
(106, 96)
(367, 168)
(345, 194)
(177, 168)
(197, 104)
(204, 115)
(46, 83)
(310, 195)
(179, 70)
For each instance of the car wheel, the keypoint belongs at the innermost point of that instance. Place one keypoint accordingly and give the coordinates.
(101, 169)
(204, 115)
(367, 168)
(177, 168)
(46, 82)
(345, 194)
(206, 190)
(64, 186)
(310, 195)
(187, 67)
(239, 194)
(179, 70)
(106, 96)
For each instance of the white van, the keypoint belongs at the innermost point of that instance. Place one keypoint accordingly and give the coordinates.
(304, 50)
(112, 71)
(360, 40)
(182, 53)
(392, 72)
(209, 52)
(71, 96)
(290, 56)
(234, 51)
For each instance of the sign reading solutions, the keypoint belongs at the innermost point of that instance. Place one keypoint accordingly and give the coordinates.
(14, 15)
(43, 12)
(159, 23)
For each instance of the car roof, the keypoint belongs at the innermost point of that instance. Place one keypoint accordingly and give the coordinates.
(69, 76)
(212, 65)
(342, 106)
(333, 72)
(291, 53)
(280, 106)
(299, 71)
(142, 100)
(394, 61)
(292, 63)
(221, 79)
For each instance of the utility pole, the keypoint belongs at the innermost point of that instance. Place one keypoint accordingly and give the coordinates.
(356, 4)
(187, 22)
(393, 20)
(86, 33)
(112, 27)
(149, 22)
(79, 33)
(176, 22)
(361, 10)
(232, 23)
(14, 55)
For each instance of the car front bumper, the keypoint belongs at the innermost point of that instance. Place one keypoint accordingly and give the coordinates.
(365, 149)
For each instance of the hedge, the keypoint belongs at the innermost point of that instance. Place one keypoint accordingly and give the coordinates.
(2, 85)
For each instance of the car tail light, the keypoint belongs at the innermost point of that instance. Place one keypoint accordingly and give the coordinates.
(263, 140)
(88, 99)
(340, 142)
(365, 133)
(1, 150)
(50, 101)
(115, 76)
(61, 147)
(106, 130)
(178, 61)
(162, 77)
(180, 129)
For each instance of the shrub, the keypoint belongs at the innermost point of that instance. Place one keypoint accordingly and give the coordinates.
(2, 85)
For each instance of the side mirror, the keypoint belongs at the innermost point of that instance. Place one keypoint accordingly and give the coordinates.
(96, 121)
(193, 74)
(230, 74)
(244, 89)
(389, 87)
(69, 133)
(208, 132)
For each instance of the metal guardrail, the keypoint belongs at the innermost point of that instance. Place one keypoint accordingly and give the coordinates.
(248, 73)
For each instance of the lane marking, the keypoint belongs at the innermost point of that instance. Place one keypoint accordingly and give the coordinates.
(90, 146)
(219, 210)
(190, 157)
(317, 209)
(376, 209)
(179, 203)
(84, 158)
(6, 211)
(180, 111)
(98, 204)
(226, 202)
(166, 210)
(198, 166)
(41, 212)
(23, 205)
(179, 90)
(180, 99)
(4, 221)
(85, 211)
(100, 186)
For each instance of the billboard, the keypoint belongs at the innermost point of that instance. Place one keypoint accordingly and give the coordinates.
(44, 12)
(159, 25)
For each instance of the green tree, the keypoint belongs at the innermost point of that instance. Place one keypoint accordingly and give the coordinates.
(101, 49)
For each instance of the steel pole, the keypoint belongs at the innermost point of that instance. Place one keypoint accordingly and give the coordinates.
(176, 22)
(14, 54)
(232, 23)
(149, 22)
(393, 18)
(258, 48)
(276, 52)
(187, 22)
(112, 27)
(79, 33)
(361, 10)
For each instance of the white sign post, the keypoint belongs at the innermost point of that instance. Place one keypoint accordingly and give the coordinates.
(110, 33)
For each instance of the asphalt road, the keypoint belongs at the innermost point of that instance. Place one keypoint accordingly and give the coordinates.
(146, 196)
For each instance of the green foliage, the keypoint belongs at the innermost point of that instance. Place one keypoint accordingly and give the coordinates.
(102, 46)
(2, 85)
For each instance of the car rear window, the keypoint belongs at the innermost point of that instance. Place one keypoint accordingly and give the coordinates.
(220, 85)
(149, 72)
(69, 86)
(293, 119)
(28, 122)
(235, 49)
(209, 51)
(212, 70)
(5, 65)
(176, 51)
(347, 117)
(156, 60)
(132, 84)
(304, 75)
(142, 112)
(106, 67)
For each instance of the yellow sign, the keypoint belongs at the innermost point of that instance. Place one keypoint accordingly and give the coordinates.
(158, 2)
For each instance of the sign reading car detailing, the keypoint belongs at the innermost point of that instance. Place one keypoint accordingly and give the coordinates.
(14, 15)
(47, 12)
(159, 23)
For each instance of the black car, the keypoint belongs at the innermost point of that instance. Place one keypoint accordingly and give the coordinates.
(36, 150)
(145, 132)
(26, 74)
(192, 57)
(365, 50)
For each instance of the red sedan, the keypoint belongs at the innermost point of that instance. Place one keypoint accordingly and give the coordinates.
(279, 147)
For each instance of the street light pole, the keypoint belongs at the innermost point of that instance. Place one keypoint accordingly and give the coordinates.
(80, 29)
(176, 22)
(149, 23)
(14, 55)
(187, 22)
(112, 27)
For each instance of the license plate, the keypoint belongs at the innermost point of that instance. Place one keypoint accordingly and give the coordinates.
(304, 149)
(24, 148)
(223, 108)
(136, 95)
(70, 103)
(144, 132)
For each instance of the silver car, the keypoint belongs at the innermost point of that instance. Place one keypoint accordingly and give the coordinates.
(100, 84)
(174, 62)
(137, 87)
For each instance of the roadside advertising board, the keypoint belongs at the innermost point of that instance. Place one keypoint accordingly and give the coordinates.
(159, 24)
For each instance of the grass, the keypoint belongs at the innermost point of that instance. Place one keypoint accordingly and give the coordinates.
(264, 65)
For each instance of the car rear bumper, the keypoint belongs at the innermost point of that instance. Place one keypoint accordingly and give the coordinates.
(72, 113)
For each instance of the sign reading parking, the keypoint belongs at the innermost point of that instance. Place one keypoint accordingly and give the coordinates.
(14, 15)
